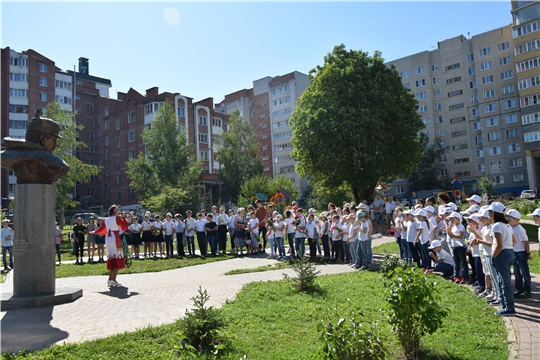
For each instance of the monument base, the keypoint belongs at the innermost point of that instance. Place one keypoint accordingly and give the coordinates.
(62, 295)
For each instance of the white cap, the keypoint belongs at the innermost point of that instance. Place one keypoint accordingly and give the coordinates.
(434, 244)
(536, 212)
(421, 212)
(514, 213)
(485, 207)
(455, 215)
(430, 209)
(361, 206)
(410, 212)
(476, 198)
(471, 209)
(474, 217)
(311, 210)
(418, 206)
(483, 213)
(497, 207)
(452, 205)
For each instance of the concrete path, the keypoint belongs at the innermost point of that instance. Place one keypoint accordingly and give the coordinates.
(161, 298)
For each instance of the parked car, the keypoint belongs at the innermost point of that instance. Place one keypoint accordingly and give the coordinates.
(528, 194)
(84, 216)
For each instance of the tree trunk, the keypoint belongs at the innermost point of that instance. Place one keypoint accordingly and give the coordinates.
(356, 194)
(368, 193)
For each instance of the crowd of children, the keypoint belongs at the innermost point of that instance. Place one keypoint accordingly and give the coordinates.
(489, 238)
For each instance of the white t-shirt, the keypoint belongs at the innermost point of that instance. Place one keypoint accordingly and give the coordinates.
(146, 225)
(254, 225)
(299, 234)
(190, 226)
(424, 238)
(335, 234)
(352, 233)
(475, 249)
(158, 225)
(399, 226)
(221, 219)
(456, 241)
(277, 225)
(521, 237)
(506, 231)
(433, 228)
(311, 227)
(412, 227)
(445, 257)
(199, 225)
(346, 227)
(290, 226)
(363, 231)
(486, 236)
(323, 228)
(135, 227)
(169, 227)
(377, 203)
(389, 207)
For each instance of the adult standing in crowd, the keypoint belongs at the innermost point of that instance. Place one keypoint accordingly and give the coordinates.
(222, 219)
(389, 208)
(378, 208)
(79, 230)
(261, 216)
(91, 238)
(179, 224)
(7, 244)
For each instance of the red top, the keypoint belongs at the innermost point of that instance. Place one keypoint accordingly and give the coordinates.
(120, 221)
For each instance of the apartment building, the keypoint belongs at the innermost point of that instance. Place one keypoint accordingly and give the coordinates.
(268, 106)
(526, 48)
(468, 95)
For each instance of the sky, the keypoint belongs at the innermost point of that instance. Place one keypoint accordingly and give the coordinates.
(210, 49)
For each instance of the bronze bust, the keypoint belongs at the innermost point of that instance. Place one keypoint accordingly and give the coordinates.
(32, 159)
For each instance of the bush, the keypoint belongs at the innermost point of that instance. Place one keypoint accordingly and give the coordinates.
(524, 206)
(414, 308)
(391, 263)
(201, 326)
(306, 272)
(348, 340)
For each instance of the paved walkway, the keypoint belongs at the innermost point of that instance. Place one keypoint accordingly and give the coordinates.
(161, 298)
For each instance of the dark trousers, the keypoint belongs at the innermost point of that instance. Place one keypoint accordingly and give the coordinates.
(325, 245)
(340, 255)
(58, 251)
(190, 245)
(312, 248)
(480, 277)
(474, 276)
(502, 264)
(212, 240)
(347, 252)
(290, 238)
(521, 272)
(426, 260)
(80, 248)
(222, 235)
(262, 232)
(180, 244)
(415, 250)
(169, 245)
(460, 259)
(5, 251)
(201, 240)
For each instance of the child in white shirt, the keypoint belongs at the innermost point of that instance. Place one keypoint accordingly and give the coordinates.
(253, 228)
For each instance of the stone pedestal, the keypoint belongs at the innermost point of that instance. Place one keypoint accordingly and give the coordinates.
(33, 246)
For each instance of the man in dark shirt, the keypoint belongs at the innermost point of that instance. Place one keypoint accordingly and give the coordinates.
(211, 232)
(79, 230)
(261, 216)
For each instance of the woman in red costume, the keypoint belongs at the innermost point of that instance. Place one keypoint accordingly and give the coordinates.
(113, 242)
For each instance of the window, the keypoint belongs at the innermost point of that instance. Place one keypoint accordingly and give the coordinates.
(486, 65)
(459, 133)
(42, 81)
(80, 83)
(505, 60)
(529, 100)
(217, 122)
(457, 120)
(512, 133)
(426, 132)
(23, 78)
(464, 173)
(63, 85)
(455, 93)
(438, 106)
(474, 98)
(203, 121)
(515, 163)
(490, 108)
(118, 178)
(405, 74)
(263, 105)
(450, 67)
(453, 80)
(42, 67)
(528, 64)
(503, 46)
(64, 100)
(478, 139)
(263, 126)
(505, 75)
(508, 89)
(281, 124)
(117, 124)
(472, 84)
(425, 121)
(481, 168)
(106, 171)
(18, 61)
(434, 67)
(283, 135)
(18, 93)
(131, 117)
(421, 95)
(90, 135)
(487, 79)
(496, 165)
(496, 150)
(203, 155)
(89, 121)
(484, 51)
(407, 85)
(489, 93)
(472, 71)
(117, 142)
(498, 179)
(508, 104)
(475, 112)
(477, 125)
(106, 140)
(106, 110)
(529, 82)
(443, 158)
(470, 57)
(527, 119)
(439, 119)
(131, 135)
(281, 112)
(263, 137)
(43, 97)
(461, 161)
(513, 148)
(419, 70)
(399, 190)
(422, 108)
(440, 132)
(532, 136)
(17, 124)
(181, 111)
(203, 138)
(435, 80)
(492, 122)
(106, 124)
(420, 83)
(479, 154)
(518, 177)
(526, 29)
(90, 107)
(107, 155)
(508, 119)
(281, 147)
(456, 106)
(444, 172)
(460, 147)
(527, 46)
(132, 193)
(437, 93)
(494, 136)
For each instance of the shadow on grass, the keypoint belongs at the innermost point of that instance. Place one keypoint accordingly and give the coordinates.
(428, 354)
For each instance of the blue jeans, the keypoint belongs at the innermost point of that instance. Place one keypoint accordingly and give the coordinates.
(353, 248)
(424, 251)
(502, 264)
(300, 244)
(290, 238)
(347, 252)
(212, 240)
(407, 254)
(190, 241)
(272, 241)
(480, 276)
(280, 246)
(361, 253)
(326, 246)
(446, 269)
(461, 268)
(521, 272)
(369, 242)
(10, 250)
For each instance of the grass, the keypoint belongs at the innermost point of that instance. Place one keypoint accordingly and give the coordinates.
(276, 266)
(267, 320)
(137, 266)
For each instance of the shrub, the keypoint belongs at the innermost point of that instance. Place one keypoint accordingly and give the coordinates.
(201, 326)
(306, 272)
(414, 308)
(390, 263)
(524, 206)
(348, 340)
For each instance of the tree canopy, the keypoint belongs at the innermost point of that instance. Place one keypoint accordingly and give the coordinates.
(166, 176)
(66, 148)
(356, 124)
(267, 186)
(238, 156)
(428, 173)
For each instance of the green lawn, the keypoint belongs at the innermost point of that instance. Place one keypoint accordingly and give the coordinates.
(276, 266)
(269, 321)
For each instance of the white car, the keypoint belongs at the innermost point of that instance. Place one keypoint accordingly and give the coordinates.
(528, 194)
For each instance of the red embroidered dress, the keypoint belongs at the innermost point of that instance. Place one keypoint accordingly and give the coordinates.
(113, 242)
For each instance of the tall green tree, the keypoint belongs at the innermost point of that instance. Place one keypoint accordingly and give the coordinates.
(356, 124)
(238, 156)
(267, 186)
(428, 173)
(166, 176)
(66, 148)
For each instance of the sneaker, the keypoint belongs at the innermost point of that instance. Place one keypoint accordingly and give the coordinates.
(495, 302)
(489, 297)
(483, 294)
(110, 283)
(525, 295)
(457, 280)
(517, 293)
(464, 281)
(506, 312)
(362, 268)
